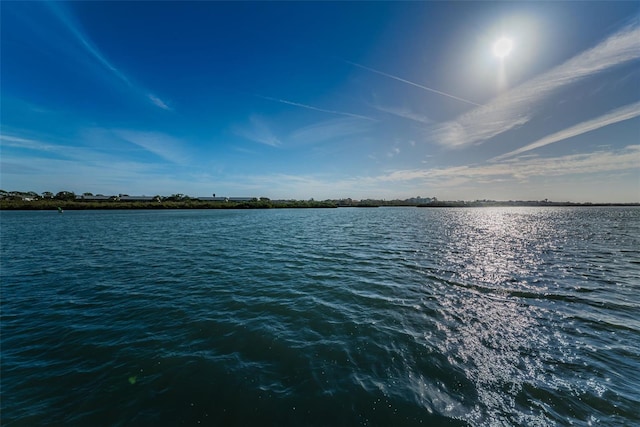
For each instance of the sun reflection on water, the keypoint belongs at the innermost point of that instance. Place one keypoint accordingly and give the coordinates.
(499, 248)
(492, 335)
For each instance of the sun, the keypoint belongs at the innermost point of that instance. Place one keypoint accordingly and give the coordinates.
(502, 47)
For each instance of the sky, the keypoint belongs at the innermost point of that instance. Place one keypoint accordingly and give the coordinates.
(323, 100)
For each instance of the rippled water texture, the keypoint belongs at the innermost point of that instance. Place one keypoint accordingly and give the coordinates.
(379, 317)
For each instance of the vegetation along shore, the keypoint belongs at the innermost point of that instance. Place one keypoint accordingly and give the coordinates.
(67, 200)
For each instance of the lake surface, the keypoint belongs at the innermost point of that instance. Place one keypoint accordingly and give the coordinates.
(327, 317)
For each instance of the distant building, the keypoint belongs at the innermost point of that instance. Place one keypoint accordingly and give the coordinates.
(241, 199)
(213, 199)
(93, 198)
(420, 200)
(138, 198)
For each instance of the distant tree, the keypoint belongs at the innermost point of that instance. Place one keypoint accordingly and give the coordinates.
(175, 197)
(12, 195)
(88, 194)
(65, 195)
(47, 195)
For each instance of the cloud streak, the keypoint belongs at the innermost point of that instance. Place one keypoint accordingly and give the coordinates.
(329, 130)
(405, 113)
(621, 114)
(158, 102)
(96, 54)
(164, 146)
(25, 143)
(391, 76)
(310, 107)
(516, 107)
(15, 145)
(523, 169)
(258, 131)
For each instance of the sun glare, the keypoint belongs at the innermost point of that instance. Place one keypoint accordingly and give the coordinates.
(502, 47)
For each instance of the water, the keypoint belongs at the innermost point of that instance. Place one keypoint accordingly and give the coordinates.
(376, 317)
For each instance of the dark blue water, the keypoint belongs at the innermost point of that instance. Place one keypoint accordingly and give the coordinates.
(376, 317)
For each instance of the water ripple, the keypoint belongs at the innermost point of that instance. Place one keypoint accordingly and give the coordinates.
(510, 316)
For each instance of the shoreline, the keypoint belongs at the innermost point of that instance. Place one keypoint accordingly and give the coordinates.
(288, 204)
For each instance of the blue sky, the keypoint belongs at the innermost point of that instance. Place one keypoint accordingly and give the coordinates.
(322, 100)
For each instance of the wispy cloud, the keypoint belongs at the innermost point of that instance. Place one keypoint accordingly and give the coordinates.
(516, 107)
(92, 173)
(52, 165)
(162, 145)
(310, 107)
(26, 143)
(93, 51)
(405, 113)
(393, 152)
(391, 76)
(621, 114)
(329, 130)
(521, 169)
(393, 184)
(258, 131)
(15, 145)
(158, 102)
(484, 178)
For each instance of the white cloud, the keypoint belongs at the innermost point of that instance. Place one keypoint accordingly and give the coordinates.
(162, 145)
(520, 169)
(516, 107)
(258, 131)
(158, 102)
(623, 113)
(30, 144)
(405, 113)
(51, 148)
(329, 130)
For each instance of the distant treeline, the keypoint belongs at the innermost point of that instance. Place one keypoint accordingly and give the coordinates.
(52, 204)
(16, 200)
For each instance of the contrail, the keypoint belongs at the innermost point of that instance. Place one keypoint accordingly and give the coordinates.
(309, 107)
(413, 84)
